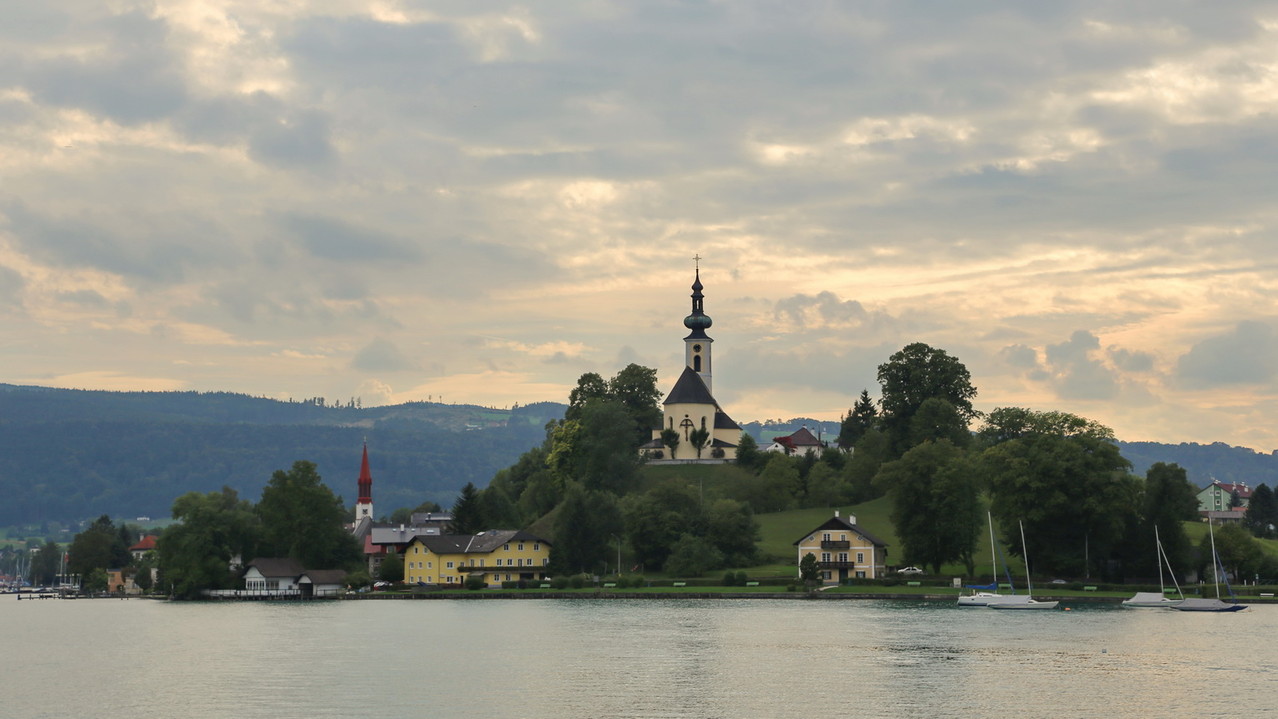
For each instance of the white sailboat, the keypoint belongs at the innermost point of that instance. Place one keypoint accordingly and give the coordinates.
(1029, 602)
(1207, 604)
(1149, 600)
(985, 596)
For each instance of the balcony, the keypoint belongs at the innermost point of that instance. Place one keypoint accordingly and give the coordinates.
(836, 545)
(839, 565)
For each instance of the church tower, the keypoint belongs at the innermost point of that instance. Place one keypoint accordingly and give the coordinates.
(364, 505)
(694, 428)
(697, 343)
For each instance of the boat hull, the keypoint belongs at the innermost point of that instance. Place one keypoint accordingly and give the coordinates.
(1151, 600)
(1208, 605)
(1031, 604)
(985, 599)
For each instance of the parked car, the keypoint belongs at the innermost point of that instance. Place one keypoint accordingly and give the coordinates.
(910, 571)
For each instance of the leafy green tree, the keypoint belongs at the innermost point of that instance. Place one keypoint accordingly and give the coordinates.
(936, 508)
(100, 546)
(1262, 512)
(936, 420)
(733, 531)
(1169, 499)
(589, 386)
(693, 556)
(748, 454)
(859, 420)
(540, 495)
(585, 523)
(635, 387)
(698, 438)
(775, 489)
(143, 577)
(809, 569)
(871, 452)
(96, 581)
(914, 375)
(303, 519)
(827, 487)
(45, 564)
(670, 438)
(468, 515)
(1239, 553)
(498, 509)
(391, 569)
(1071, 491)
(403, 515)
(195, 554)
(655, 520)
(606, 455)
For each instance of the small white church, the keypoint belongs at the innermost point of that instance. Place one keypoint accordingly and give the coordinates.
(690, 412)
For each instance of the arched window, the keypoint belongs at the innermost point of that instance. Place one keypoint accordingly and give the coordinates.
(696, 363)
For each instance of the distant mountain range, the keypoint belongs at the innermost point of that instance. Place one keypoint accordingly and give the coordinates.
(73, 454)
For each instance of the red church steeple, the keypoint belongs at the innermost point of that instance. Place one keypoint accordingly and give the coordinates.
(364, 505)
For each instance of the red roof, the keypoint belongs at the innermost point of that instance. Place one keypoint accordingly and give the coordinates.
(145, 544)
(1243, 490)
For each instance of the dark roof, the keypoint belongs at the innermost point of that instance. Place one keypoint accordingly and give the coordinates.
(689, 389)
(326, 576)
(276, 566)
(722, 444)
(802, 437)
(842, 524)
(482, 543)
(723, 421)
(652, 444)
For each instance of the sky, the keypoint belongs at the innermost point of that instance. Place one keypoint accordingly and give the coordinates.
(478, 202)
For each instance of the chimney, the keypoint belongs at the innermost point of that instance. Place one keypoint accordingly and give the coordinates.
(836, 513)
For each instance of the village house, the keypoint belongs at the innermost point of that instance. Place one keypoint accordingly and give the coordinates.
(844, 550)
(800, 444)
(1218, 496)
(495, 556)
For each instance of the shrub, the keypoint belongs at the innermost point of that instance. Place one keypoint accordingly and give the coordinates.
(559, 582)
(729, 579)
(742, 578)
(577, 582)
(474, 583)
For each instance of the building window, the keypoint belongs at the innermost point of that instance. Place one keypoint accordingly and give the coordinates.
(828, 575)
(521, 546)
(507, 547)
(448, 580)
(860, 557)
(696, 363)
(860, 575)
(825, 556)
(536, 546)
(843, 557)
(825, 537)
(450, 565)
(508, 577)
(843, 537)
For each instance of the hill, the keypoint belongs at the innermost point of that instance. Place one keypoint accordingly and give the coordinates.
(70, 454)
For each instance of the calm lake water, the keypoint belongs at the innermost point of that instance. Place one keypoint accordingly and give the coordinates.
(570, 659)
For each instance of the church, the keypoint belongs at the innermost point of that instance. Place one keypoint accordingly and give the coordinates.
(694, 428)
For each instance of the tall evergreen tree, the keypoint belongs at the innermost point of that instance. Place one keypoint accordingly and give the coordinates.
(859, 420)
(468, 514)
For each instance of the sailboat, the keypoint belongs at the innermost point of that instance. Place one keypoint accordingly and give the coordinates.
(1029, 602)
(987, 594)
(1207, 604)
(1149, 600)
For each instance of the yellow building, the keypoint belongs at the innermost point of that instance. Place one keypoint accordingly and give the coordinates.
(844, 550)
(496, 556)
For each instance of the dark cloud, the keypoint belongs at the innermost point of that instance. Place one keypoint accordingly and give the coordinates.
(1131, 360)
(133, 79)
(1076, 374)
(382, 355)
(329, 238)
(11, 286)
(826, 310)
(1242, 356)
(303, 139)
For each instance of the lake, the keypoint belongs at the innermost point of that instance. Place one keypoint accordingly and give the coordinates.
(571, 659)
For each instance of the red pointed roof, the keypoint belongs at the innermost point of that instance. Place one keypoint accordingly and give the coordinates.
(365, 480)
(144, 544)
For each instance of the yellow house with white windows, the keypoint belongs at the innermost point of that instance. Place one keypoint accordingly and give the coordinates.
(844, 550)
(496, 556)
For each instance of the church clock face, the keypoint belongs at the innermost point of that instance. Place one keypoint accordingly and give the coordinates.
(696, 348)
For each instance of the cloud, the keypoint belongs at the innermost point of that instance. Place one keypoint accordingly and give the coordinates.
(381, 355)
(11, 285)
(1242, 356)
(826, 311)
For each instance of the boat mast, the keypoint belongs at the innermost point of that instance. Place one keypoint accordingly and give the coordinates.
(1158, 545)
(1215, 560)
(993, 560)
(1029, 584)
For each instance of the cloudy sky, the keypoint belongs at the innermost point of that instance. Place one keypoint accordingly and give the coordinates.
(478, 202)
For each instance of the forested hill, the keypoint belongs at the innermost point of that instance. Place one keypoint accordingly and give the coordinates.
(71, 454)
(1205, 462)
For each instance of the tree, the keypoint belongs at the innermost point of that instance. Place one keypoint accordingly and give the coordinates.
(391, 569)
(45, 564)
(605, 455)
(670, 438)
(774, 489)
(748, 454)
(827, 487)
(195, 554)
(655, 520)
(1240, 555)
(1169, 499)
(699, 437)
(911, 377)
(1071, 491)
(693, 556)
(468, 517)
(635, 387)
(1262, 512)
(859, 420)
(809, 569)
(96, 581)
(935, 495)
(937, 419)
(732, 530)
(869, 455)
(585, 523)
(100, 546)
(303, 519)
(589, 386)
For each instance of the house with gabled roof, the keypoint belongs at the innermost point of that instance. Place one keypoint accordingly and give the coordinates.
(1218, 497)
(495, 556)
(691, 409)
(800, 443)
(844, 550)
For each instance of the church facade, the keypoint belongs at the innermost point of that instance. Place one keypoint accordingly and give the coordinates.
(694, 428)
